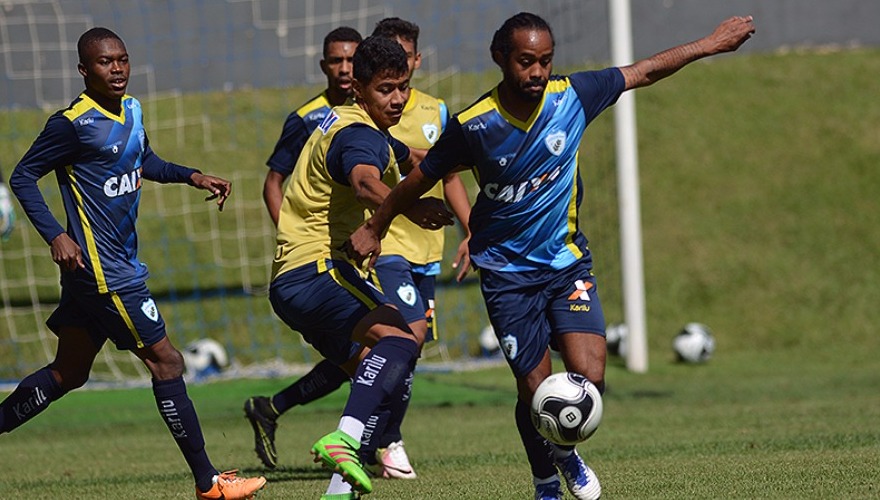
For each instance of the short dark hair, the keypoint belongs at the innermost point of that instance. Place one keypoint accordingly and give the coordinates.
(341, 34)
(92, 36)
(503, 40)
(379, 55)
(393, 27)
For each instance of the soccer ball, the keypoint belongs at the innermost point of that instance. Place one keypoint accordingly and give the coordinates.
(694, 343)
(566, 408)
(489, 342)
(205, 357)
(616, 339)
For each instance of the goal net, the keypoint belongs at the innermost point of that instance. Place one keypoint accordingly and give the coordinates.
(217, 80)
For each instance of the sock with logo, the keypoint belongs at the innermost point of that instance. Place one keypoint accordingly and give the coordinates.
(32, 396)
(323, 379)
(380, 373)
(538, 449)
(180, 416)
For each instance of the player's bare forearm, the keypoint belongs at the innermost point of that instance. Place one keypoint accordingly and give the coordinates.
(457, 199)
(273, 194)
(369, 190)
(727, 37)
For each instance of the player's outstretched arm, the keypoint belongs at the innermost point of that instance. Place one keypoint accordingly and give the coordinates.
(727, 37)
(220, 188)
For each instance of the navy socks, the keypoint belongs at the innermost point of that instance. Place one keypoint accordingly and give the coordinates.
(323, 379)
(380, 373)
(32, 396)
(180, 416)
(538, 450)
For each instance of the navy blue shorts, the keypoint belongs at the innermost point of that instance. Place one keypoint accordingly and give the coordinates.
(324, 306)
(129, 317)
(407, 288)
(528, 309)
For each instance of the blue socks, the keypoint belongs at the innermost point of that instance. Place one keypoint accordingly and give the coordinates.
(180, 416)
(32, 396)
(379, 375)
(323, 379)
(538, 450)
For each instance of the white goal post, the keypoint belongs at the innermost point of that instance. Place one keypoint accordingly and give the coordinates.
(626, 146)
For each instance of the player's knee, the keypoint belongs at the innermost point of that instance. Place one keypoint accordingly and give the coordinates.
(70, 380)
(167, 366)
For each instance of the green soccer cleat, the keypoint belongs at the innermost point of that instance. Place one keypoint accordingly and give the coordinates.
(262, 416)
(339, 451)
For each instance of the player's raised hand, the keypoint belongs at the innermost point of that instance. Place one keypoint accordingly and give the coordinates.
(430, 213)
(66, 253)
(220, 188)
(730, 34)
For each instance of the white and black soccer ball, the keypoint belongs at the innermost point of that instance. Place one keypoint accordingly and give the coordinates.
(489, 345)
(205, 357)
(616, 339)
(566, 408)
(694, 343)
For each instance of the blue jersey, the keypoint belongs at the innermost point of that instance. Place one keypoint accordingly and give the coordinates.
(99, 159)
(525, 217)
(298, 126)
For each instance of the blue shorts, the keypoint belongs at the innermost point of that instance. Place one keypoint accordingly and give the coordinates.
(408, 288)
(325, 305)
(528, 309)
(129, 317)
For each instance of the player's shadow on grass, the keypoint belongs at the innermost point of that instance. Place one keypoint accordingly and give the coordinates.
(289, 474)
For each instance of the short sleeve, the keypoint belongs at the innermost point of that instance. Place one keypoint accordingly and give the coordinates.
(357, 145)
(293, 138)
(597, 89)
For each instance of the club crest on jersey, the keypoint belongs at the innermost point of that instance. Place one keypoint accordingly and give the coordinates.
(407, 294)
(150, 310)
(555, 142)
(509, 346)
(431, 132)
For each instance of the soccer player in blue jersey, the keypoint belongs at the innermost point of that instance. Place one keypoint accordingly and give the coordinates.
(7, 212)
(338, 53)
(100, 154)
(521, 139)
(348, 165)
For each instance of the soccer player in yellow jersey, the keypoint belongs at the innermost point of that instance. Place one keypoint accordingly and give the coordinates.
(408, 267)
(406, 274)
(348, 164)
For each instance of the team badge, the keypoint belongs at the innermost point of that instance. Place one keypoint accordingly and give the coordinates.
(431, 132)
(555, 142)
(407, 294)
(581, 290)
(509, 346)
(150, 310)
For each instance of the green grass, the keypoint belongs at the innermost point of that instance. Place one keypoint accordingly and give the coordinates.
(761, 425)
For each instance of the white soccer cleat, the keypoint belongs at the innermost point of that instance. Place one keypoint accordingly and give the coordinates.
(579, 477)
(394, 462)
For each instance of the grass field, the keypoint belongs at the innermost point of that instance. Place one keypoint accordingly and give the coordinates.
(760, 209)
(742, 426)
